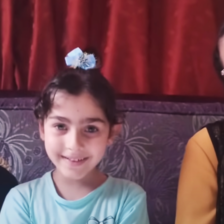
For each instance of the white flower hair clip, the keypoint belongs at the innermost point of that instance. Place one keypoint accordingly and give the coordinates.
(78, 58)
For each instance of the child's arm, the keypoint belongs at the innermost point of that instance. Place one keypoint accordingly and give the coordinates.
(15, 209)
(135, 210)
(197, 190)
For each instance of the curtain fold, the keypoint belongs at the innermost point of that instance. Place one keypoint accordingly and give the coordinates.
(7, 66)
(147, 46)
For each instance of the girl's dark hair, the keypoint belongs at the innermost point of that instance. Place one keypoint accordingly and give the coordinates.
(75, 82)
(216, 56)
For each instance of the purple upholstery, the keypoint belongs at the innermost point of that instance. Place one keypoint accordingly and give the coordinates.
(149, 150)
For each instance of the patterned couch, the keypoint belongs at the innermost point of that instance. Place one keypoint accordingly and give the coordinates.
(149, 151)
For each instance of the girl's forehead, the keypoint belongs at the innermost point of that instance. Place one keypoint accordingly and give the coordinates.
(62, 98)
(82, 105)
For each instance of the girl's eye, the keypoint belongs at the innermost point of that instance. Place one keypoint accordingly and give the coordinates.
(60, 127)
(91, 129)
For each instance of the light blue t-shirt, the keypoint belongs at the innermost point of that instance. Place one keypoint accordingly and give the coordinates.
(117, 201)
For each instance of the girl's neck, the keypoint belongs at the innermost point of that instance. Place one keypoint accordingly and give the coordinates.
(72, 190)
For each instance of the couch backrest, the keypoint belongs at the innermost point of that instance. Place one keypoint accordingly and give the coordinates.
(149, 150)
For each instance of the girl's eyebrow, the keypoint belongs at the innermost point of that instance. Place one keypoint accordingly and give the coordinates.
(60, 118)
(94, 119)
(87, 120)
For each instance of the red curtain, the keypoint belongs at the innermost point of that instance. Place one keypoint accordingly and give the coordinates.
(147, 46)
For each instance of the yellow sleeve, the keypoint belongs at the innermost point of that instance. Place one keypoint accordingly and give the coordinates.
(197, 190)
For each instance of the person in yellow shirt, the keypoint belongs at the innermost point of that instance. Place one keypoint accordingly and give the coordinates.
(200, 198)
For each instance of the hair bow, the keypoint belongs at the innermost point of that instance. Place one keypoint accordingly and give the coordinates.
(78, 58)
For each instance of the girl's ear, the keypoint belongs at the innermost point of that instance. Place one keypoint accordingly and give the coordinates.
(41, 129)
(114, 132)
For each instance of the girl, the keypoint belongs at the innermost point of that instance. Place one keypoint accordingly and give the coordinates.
(201, 187)
(77, 120)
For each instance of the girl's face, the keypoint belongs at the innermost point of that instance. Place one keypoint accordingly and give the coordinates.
(76, 133)
(221, 49)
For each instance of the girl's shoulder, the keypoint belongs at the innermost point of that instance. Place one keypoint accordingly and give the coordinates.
(28, 188)
(125, 187)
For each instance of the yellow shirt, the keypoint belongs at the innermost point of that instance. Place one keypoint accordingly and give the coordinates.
(197, 190)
